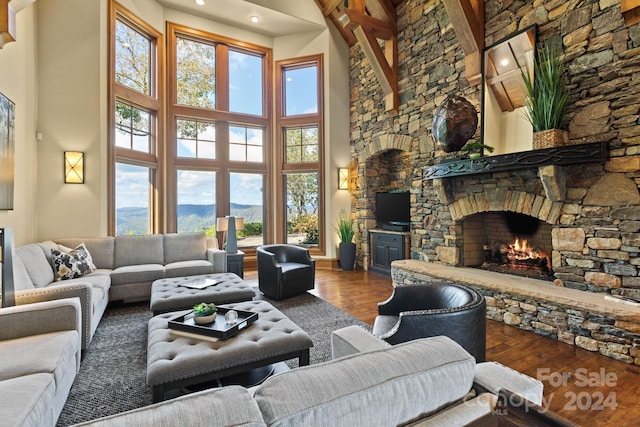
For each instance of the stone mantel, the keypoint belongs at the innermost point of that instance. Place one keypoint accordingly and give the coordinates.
(559, 156)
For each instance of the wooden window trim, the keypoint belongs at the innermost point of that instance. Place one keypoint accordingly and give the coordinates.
(222, 118)
(152, 103)
(281, 167)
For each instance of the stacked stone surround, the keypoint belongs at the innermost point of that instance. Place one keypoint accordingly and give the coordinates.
(595, 220)
(595, 324)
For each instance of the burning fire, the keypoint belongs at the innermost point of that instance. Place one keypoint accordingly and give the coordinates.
(520, 250)
(521, 254)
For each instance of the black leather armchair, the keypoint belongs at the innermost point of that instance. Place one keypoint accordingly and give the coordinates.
(284, 270)
(429, 310)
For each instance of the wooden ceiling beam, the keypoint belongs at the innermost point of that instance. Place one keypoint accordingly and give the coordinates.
(328, 6)
(380, 29)
(467, 19)
(631, 11)
(368, 22)
(7, 23)
(383, 63)
(382, 10)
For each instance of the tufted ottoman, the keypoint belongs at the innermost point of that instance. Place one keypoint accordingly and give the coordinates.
(169, 295)
(175, 362)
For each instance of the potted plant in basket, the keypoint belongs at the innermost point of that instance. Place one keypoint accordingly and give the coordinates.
(204, 313)
(547, 94)
(474, 149)
(346, 248)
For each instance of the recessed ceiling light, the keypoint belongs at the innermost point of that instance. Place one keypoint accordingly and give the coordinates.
(504, 62)
(255, 19)
(200, 2)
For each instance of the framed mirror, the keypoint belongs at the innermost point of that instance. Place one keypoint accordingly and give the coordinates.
(504, 122)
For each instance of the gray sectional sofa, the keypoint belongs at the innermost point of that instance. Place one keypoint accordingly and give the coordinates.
(125, 267)
(39, 359)
(426, 382)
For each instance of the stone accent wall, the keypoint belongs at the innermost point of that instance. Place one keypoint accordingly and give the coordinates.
(596, 231)
(594, 209)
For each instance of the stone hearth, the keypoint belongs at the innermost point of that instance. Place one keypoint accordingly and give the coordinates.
(593, 321)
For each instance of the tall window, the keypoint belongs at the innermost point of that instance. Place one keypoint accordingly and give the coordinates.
(300, 116)
(218, 132)
(135, 123)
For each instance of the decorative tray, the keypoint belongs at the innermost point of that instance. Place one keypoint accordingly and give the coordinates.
(219, 328)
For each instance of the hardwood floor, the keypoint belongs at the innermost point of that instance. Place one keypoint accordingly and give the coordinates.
(584, 387)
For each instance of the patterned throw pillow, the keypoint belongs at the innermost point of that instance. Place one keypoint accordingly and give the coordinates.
(70, 265)
(80, 247)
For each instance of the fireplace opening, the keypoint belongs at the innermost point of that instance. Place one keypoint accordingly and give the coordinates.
(508, 242)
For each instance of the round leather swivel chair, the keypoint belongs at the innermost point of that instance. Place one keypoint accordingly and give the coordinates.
(432, 309)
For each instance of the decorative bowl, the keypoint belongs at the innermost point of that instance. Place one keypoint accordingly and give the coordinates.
(203, 320)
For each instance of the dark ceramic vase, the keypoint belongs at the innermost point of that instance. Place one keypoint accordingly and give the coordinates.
(454, 123)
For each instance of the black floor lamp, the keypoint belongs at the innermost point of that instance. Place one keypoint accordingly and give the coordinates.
(6, 264)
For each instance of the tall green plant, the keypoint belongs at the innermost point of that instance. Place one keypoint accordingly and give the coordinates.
(346, 229)
(547, 92)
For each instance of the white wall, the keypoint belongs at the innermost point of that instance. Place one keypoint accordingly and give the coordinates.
(18, 83)
(70, 109)
(336, 114)
(72, 115)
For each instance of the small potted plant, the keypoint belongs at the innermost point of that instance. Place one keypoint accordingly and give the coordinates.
(204, 313)
(346, 248)
(474, 147)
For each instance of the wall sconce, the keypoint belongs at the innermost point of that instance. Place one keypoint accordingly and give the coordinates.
(229, 224)
(73, 167)
(343, 178)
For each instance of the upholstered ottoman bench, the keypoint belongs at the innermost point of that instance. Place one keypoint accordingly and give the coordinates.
(175, 361)
(170, 294)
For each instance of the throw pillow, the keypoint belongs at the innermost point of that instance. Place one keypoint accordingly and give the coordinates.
(70, 265)
(81, 247)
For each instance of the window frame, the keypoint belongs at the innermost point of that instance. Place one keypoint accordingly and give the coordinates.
(283, 123)
(151, 103)
(223, 119)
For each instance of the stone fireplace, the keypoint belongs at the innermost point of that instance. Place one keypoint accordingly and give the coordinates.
(508, 242)
(590, 209)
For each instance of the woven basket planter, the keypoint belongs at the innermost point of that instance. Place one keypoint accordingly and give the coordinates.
(550, 138)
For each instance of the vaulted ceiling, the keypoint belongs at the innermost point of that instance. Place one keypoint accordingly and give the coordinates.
(372, 24)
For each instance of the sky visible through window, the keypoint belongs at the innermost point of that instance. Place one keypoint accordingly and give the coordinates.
(245, 96)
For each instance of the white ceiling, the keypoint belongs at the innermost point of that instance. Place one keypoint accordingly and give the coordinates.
(277, 17)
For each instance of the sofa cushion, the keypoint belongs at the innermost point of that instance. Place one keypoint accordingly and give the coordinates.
(493, 376)
(227, 406)
(70, 265)
(36, 264)
(101, 249)
(28, 401)
(467, 411)
(137, 273)
(421, 376)
(53, 353)
(21, 279)
(135, 250)
(188, 268)
(184, 247)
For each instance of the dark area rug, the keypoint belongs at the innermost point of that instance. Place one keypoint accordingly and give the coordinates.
(113, 372)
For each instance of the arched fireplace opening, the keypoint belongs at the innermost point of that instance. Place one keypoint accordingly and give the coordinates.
(508, 242)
